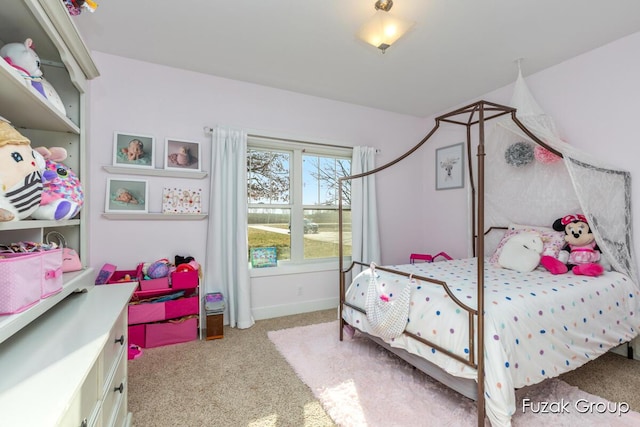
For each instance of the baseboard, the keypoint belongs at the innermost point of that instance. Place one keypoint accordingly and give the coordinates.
(261, 313)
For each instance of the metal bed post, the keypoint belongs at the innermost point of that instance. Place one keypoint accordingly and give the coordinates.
(480, 262)
(340, 255)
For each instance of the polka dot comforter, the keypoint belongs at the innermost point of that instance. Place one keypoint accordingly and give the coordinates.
(537, 325)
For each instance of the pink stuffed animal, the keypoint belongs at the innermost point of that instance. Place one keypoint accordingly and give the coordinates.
(580, 254)
(62, 196)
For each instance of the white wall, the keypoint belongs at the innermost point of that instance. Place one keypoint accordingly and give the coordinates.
(138, 97)
(593, 99)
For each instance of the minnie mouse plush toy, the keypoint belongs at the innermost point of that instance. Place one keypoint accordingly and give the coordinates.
(580, 254)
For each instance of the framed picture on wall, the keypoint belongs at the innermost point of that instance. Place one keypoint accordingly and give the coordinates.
(450, 167)
(182, 155)
(127, 195)
(133, 150)
(179, 200)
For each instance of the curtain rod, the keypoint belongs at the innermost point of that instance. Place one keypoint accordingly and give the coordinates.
(208, 129)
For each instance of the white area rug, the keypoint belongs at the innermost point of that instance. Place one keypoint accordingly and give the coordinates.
(361, 384)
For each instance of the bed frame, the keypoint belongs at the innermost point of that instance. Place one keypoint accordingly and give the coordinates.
(469, 116)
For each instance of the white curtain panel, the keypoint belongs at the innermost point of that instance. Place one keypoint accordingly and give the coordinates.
(364, 211)
(226, 267)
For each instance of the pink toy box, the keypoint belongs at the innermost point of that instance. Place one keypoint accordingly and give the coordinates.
(156, 311)
(154, 284)
(164, 333)
(120, 276)
(171, 332)
(25, 278)
(184, 279)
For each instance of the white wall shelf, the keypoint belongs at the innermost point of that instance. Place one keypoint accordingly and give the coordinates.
(154, 216)
(155, 172)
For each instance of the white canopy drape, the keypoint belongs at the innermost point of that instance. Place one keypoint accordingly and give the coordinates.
(539, 192)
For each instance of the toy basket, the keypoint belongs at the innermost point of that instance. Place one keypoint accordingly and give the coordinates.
(25, 278)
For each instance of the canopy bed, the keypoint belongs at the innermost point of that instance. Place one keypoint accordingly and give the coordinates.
(484, 330)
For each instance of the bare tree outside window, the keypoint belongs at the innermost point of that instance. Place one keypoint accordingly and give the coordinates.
(268, 176)
(325, 173)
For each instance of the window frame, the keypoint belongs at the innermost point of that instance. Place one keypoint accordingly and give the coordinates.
(297, 149)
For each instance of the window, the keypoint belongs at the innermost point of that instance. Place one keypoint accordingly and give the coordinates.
(293, 198)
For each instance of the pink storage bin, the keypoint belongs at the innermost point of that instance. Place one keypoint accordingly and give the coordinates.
(182, 307)
(146, 312)
(136, 334)
(52, 272)
(184, 279)
(154, 284)
(157, 311)
(118, 275)
(171, 332)
(25, 278)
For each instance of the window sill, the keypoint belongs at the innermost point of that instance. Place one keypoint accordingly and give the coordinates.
(285, 268)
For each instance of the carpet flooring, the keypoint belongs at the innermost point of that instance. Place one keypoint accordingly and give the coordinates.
(361, 384)
(243, 380)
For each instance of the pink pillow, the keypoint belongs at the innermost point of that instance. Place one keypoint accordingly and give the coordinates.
(552, 240)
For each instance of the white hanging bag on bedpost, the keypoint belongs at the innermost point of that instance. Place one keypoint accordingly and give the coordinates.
(387, 314)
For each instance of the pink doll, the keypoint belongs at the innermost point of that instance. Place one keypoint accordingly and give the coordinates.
(580, 254)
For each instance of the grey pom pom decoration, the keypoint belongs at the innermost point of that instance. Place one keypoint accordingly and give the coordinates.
(519, 154)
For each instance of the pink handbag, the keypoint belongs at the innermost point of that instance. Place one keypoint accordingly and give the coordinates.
(70, 258)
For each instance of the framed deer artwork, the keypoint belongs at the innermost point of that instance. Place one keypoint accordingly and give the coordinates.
(450, 167)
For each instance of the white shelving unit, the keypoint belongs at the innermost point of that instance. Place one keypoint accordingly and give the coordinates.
(57, 42)
(68, 352)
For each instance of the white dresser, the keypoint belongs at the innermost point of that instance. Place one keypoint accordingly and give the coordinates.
(69, 367)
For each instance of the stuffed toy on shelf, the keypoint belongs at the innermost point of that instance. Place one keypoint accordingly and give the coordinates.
(62, 195)
(20, 178)
(580, 253)
(26, 62)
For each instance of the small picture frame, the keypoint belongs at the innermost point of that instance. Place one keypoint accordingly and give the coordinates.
(264, 257)
(178, 200)
(133, 150)
(127, 195)
(450, 167)
(182, 155)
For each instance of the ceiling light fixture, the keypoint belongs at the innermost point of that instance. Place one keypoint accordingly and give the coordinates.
(383, 29)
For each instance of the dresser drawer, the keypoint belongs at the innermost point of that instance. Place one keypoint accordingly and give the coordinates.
(116, 344)
(84, 408)
(115, 393)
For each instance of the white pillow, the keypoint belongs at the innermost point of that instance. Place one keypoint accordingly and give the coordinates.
(521, 252)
